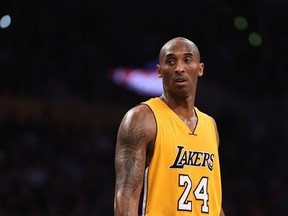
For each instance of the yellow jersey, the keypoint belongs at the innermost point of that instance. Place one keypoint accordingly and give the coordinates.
(183, 177)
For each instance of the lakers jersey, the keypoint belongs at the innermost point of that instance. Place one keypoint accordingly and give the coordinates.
(183, 177)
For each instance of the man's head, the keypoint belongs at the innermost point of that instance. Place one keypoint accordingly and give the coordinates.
(180, 67)
(173, 42)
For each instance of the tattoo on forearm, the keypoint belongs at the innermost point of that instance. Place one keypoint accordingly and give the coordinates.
(130, 159)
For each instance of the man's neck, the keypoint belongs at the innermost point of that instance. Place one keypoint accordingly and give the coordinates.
(182, 106)
(184, 109)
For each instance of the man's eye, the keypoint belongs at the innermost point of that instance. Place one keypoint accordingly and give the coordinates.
(188, 60)
(171, 61)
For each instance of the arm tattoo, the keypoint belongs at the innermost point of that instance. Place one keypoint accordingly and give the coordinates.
(133, 137)
(129, 160)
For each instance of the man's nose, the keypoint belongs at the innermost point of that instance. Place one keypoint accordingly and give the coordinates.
(179, 67)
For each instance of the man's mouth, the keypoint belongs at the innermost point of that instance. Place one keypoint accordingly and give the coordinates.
(180, 79)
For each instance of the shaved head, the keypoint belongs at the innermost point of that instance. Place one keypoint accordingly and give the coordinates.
(175, 42)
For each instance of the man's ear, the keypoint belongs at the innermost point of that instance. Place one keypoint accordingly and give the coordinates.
(201, 69)
(158, 71)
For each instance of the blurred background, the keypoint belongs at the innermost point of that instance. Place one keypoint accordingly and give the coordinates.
(69, 70)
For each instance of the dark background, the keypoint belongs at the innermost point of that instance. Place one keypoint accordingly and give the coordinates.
(59, 111)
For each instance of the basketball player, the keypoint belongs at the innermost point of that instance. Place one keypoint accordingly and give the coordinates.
(166, 156)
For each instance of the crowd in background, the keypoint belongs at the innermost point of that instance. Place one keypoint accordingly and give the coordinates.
(55, 54)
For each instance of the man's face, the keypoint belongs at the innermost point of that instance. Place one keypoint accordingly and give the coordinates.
(179, 68)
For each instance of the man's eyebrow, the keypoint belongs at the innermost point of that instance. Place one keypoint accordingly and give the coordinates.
(189, 54)
(185, 54)
(169, 55)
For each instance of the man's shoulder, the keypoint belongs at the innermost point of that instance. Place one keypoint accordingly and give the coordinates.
(202, 113)
(142, 109)
(151, 101)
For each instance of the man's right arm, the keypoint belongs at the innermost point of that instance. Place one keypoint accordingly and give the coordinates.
(135, 133)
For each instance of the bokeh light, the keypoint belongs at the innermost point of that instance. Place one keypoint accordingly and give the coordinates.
(255, 39)
(240, 22)
(5, 21)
